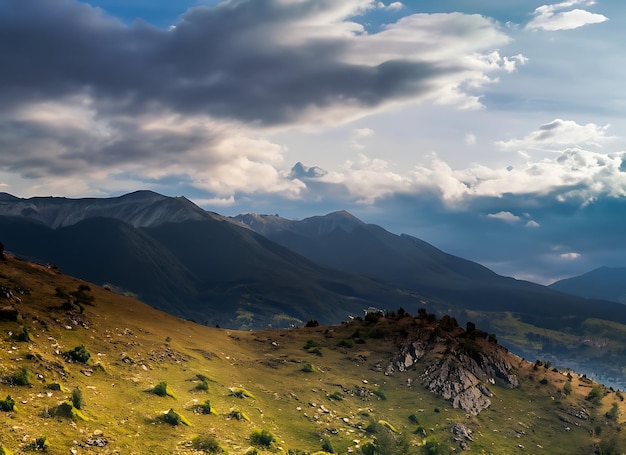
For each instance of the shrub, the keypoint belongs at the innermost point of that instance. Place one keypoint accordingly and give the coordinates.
(66, 409)
(39, 445)
(595, 395)
(77, 398)
(262, 438)
(162, 390)
(56, 386)
(368, 449)
(379, 393)
(238, 415)
(202, 385)
(205, 407)
(327, 446)
(22, 335)
(23, 377)
(413, 419)
(567, 388)
(309, 368)
(349, 343)
(312, 323)
(173, 418)
(335, 396)
(613, 412)
(240, 393)
(432, 446)
(311, 344)
(8, 404)
(5, 451)
(78, 354)
(544, 381)
(207, 443)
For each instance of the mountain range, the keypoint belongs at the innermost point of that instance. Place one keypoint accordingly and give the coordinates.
(255, 271)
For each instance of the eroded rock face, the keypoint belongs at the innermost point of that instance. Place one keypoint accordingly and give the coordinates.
(451, 380)
(453, 374)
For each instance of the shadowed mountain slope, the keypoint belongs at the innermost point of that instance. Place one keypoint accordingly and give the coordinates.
(607, 283)
(210, 270)
(339, 240)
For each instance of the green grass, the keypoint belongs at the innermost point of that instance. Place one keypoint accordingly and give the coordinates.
(292, 406)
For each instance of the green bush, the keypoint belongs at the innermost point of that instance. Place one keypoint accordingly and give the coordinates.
(327, 446)
(205, 408)
(79, 354)
(23, 377)
(207, 444)
(595, 395)
(202, 385)
(173, 418)
(262, 438)
(67, 409)
(238, 415)
(8, 404)
(413, 419)
(240, 393)
(379, 393)
(39, 445)
(368, 449)
(431, 446)
(567, 388)
(77, 398)
(613, 412)
(311, 344)
(348, 343)
(22, 335)
(162, 390)
(5, 451)
(335, 396)
(309, 368)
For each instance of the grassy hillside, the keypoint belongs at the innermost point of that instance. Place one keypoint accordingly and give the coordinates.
(300, 391)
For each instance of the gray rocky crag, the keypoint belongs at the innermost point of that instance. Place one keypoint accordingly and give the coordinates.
(459, 377)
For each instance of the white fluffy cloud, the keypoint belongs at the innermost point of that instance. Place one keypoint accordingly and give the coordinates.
(559, 133)
(563, 16)
(504, 216)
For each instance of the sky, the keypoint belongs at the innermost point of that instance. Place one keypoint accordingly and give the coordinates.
(492, 129)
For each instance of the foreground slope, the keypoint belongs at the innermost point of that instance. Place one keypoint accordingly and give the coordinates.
(396, 384)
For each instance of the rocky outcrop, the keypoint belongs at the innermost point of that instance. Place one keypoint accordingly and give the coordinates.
(456, 373)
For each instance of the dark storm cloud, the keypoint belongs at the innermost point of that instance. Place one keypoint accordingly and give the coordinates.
(232, 61)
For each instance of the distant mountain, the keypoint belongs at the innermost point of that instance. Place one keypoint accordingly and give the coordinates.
(139, 209)
(341, 241)
(186, 261)
(608, 283)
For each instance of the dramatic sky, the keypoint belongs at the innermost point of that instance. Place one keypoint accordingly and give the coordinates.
(493, 129)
